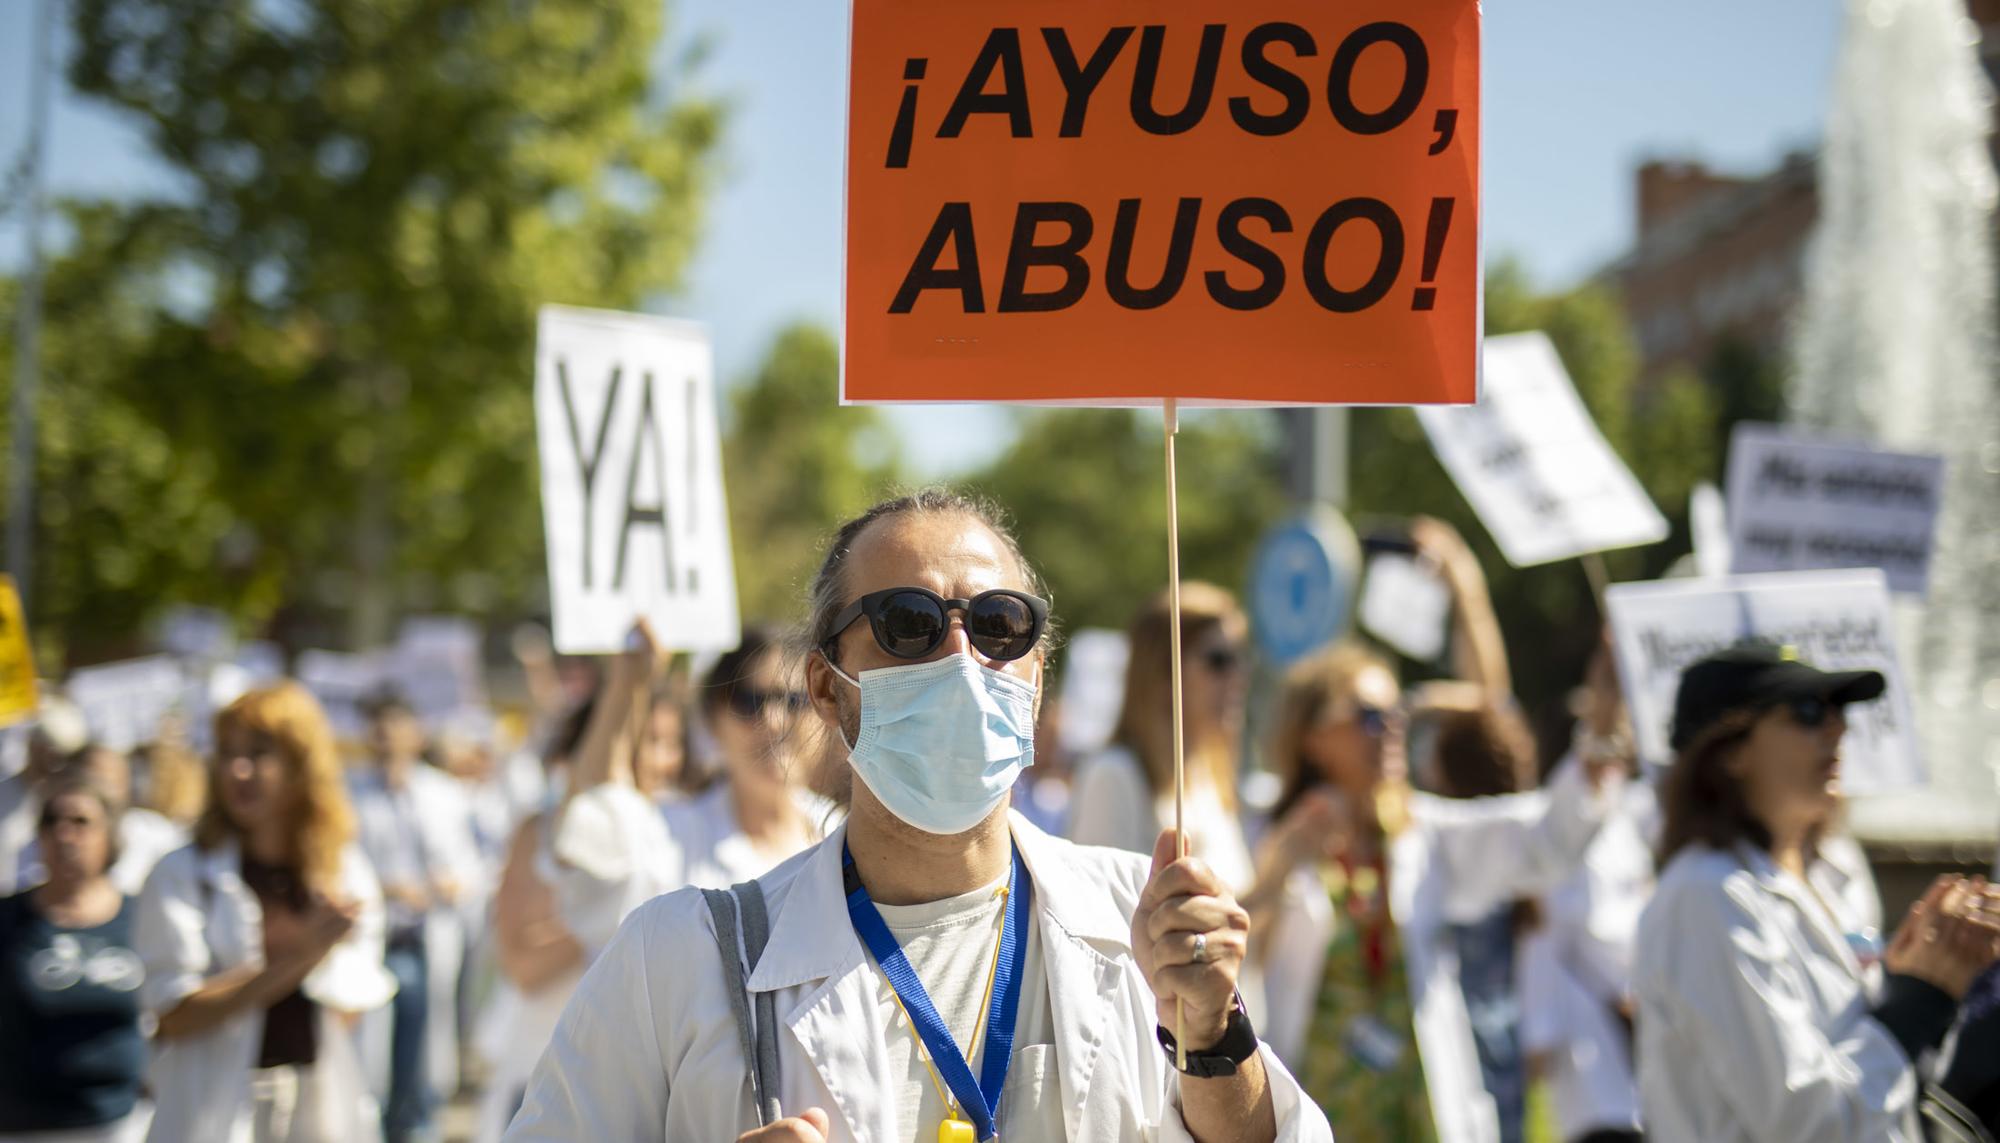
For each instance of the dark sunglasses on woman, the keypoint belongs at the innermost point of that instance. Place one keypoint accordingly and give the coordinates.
(1812, 713)
(1374, 721)
(747, 702)
(912, 622)
(1222, 660)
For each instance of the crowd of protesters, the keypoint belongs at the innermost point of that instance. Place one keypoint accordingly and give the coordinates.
(301, 939)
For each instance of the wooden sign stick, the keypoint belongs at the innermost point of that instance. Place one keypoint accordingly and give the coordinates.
(1600, 579)
(1172, 425)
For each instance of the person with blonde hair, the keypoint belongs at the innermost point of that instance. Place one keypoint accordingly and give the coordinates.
(1362, 966)
(1124, 795)
(262, 939)
(176, 782)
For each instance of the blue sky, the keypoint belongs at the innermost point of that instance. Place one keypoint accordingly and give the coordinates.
(1577, 92)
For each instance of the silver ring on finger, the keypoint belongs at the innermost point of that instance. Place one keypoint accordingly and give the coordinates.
(1200, 954)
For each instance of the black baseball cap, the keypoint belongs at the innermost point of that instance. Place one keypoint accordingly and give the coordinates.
(1757, 675)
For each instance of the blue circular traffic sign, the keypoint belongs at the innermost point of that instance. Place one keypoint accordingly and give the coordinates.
(1302, 586)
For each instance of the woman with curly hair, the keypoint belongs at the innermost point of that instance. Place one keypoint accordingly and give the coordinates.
(262, 939)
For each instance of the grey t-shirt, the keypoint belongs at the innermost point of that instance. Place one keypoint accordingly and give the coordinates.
(950, 945)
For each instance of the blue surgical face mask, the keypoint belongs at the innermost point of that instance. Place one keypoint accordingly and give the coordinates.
(942, 742)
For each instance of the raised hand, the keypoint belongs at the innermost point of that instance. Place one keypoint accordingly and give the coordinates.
(1948, 937)
(1184, 899)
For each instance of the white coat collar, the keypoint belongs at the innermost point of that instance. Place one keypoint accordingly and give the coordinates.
(221, 864)
(1809, 898)
(813, 939)
(1084, 945)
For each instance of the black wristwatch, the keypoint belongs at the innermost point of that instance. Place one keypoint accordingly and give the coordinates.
(1238, 1043)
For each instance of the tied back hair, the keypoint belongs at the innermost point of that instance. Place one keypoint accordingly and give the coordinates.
(830, 593)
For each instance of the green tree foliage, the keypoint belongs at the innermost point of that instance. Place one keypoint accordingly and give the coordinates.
(1087, 490)
(126, 517)
(302, 383)
(1667, 436)
(797, 463)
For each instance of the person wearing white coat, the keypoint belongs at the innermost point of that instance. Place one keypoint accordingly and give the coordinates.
(1756, 1020)
(416, 828)
(673, 1071)
(930, 886)
(619, 844)
(260, 943)
(1361, 968)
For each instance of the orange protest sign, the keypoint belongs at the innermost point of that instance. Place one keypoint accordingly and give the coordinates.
(1267, 201)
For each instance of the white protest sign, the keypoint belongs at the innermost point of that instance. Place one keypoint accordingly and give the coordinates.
(1533, 464)
(1708, 519)
(1835, 620)
(343, 683)
(437, 667)
(1093, 689)
(1799, 502)
(1406, 605)
(124, 703)
(263, 662)
(196, 632)
(632, 481)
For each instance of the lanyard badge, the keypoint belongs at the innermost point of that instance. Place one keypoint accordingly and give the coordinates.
(979, 1100)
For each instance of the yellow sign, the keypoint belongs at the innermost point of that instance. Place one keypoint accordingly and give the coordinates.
(17, 664)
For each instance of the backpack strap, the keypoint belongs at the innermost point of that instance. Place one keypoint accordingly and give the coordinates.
(743, 906)
(756, 933)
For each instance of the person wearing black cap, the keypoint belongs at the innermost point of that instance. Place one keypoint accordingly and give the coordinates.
(1756, 1019)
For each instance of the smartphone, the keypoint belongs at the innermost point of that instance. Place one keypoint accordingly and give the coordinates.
(1388, 538)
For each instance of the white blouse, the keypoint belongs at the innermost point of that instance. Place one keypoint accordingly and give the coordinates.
(1754, 1013)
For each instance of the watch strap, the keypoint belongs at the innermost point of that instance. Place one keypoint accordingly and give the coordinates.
(1238, 1043)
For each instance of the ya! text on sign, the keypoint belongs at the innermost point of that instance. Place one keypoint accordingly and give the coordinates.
(632, 501)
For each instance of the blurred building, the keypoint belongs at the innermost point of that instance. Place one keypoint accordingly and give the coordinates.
(1715, 273)
(1719, 259)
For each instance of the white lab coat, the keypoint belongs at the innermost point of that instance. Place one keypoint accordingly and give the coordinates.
(517, 1025)
(617, 849)
(1754, 1014)
(1457, 861)
(196, 919)
(449, 850)
(18, 810)
(1111, 804)
(1577, 968)
(648, 1049)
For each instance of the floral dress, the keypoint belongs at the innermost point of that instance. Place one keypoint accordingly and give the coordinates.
(1361, 1064)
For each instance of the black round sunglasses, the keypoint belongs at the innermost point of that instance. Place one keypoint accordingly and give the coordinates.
(911, 622)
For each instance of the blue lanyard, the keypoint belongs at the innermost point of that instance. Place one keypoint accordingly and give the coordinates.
(979, 1101)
